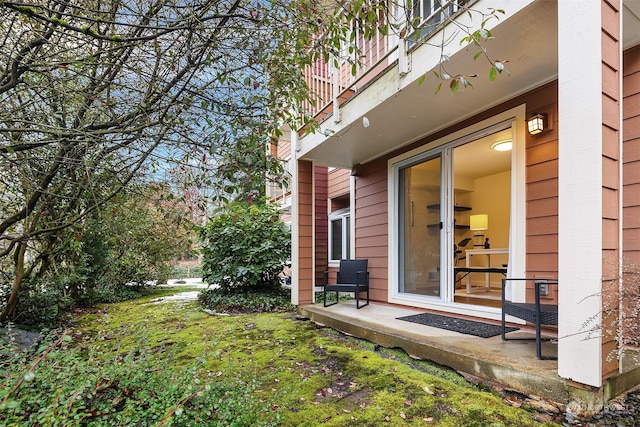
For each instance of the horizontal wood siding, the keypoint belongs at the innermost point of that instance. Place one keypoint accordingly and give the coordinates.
(321, 223)
(542, 191)
(611, 191)
(631, 190)
(541, 179)
(631, 155)
(370, 215)
(305, 232)
(339, 182)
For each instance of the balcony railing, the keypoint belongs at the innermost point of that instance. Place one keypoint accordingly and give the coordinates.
(333, 85)
(329, 82)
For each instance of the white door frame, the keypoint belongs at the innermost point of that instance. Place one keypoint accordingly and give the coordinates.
(514, 118)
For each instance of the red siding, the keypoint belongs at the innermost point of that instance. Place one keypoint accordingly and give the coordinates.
(611, 69)
(339, 180)
(631, 154)
(371, 225)
(631, 188)
(371, 210)
(305, 232)
(542, 189)
(321, 223)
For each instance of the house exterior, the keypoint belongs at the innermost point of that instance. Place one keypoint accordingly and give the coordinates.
(399, 174)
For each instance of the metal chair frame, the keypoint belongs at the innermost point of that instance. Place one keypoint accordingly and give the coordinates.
(537, 313)
(351, 277)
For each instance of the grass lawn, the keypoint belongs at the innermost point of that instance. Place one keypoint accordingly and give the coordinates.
(294, 372)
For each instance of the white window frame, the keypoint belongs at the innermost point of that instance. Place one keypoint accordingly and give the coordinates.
(430, 20)
(342, 215)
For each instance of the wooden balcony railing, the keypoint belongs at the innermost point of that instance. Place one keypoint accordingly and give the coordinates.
(329, 83)
(332, 85)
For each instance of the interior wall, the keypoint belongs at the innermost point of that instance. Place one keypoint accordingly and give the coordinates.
(492, 196)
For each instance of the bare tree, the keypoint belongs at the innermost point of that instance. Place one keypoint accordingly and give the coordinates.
(95, 94)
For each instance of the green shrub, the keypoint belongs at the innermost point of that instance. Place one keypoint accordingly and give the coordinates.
(42, 306)
(68, 388)
(245, 247)
(277, 300)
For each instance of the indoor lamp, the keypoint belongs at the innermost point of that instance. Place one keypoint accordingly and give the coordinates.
(478, 223)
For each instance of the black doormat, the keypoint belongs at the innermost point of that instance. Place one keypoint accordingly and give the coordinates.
(464, 326)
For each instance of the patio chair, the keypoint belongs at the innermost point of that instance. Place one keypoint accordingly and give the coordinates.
(352, 277)
(537, 313)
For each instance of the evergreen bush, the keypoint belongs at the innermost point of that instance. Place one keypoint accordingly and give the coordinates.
(245, 247)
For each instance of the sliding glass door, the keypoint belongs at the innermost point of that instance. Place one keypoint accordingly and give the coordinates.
(420, 227)
(439, 194)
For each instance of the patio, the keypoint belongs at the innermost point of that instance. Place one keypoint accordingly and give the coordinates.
(512, 364)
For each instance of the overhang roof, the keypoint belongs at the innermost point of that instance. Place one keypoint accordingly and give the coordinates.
(400, 113)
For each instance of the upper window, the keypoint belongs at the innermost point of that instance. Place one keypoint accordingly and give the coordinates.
(340, 234)
(427, 15)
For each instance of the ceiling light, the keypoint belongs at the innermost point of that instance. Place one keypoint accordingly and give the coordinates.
(503, 145)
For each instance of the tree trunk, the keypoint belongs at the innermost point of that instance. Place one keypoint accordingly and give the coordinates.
(9, 311)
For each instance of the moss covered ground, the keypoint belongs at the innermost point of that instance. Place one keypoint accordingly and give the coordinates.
(311, 375)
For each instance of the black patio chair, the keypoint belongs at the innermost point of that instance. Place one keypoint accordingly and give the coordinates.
(352, 277)
(536, 313)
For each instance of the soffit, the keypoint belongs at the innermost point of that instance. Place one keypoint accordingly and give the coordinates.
(528, 40)
(631, 23)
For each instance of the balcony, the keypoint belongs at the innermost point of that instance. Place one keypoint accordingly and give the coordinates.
(386, 89)
(334, 85)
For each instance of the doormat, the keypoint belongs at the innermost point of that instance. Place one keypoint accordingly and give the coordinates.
(464, 326)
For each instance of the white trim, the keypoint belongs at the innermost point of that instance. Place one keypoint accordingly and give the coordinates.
(295, 232)
(580, 190)
(513, 118)
(313, 231)
(341, 215)
(352, 223)
(517, 240)
(621, 283)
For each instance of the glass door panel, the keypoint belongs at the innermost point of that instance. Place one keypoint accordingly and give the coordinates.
(420, 228)
(482, 200)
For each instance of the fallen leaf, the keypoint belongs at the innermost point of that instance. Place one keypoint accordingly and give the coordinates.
(403, 415)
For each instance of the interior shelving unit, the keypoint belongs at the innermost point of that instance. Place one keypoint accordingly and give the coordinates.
(457, 208)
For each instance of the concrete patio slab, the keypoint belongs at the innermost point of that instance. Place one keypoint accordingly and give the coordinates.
(512, 364)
